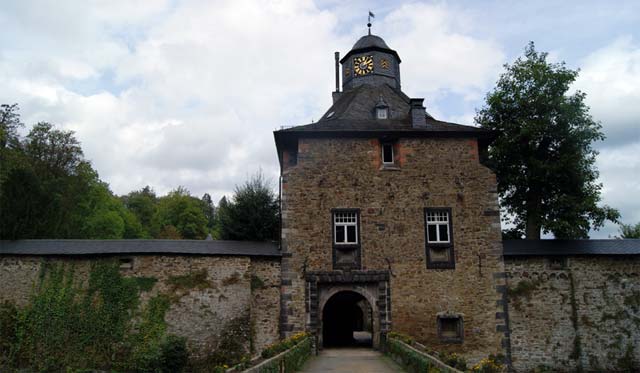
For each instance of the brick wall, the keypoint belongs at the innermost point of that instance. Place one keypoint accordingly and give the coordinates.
(585, 315)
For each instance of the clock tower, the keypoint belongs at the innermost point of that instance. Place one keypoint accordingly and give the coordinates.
(390, 219)
(370, 62)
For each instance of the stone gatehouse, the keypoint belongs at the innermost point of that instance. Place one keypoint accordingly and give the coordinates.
(390, 222)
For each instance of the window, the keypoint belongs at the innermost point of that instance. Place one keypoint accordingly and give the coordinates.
(557, 263)
(382, 113)
(450, 328)
(345, 227)
(437, 226)
(438, 237)
(387, 153)
(126, 263)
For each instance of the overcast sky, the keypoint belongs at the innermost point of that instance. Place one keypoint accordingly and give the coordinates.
(169, 93)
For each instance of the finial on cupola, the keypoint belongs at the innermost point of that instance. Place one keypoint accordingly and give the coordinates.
(371, 15)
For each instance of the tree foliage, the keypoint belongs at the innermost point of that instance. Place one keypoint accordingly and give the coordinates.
(630, 230)
(49, 190)
(543, 154)
(252, 214)
(182, 211)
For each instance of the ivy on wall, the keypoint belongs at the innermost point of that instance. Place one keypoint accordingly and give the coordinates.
(99, 324)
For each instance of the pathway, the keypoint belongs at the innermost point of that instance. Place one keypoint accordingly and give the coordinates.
(351, 360)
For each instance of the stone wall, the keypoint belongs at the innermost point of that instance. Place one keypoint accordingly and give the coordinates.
(201, 312)
(585, 315)
(347, 173)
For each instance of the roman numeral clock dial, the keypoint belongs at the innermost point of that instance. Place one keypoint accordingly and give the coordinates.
(362, 65)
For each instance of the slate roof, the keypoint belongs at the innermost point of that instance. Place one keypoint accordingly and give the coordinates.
(354, 112)
(571, 247)
(370, 41)
(110, 247)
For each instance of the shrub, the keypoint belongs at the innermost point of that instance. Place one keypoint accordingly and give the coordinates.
(491, 364)
(453, 360)
(402, 337)
(174, 354)
(283, 345)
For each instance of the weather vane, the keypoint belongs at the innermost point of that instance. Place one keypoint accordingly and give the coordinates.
(371, 15)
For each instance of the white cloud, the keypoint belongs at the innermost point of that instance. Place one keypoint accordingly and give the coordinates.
(188, 93)
(438, 52)
(611, 78)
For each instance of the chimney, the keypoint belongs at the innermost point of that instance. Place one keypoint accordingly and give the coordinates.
(418, 113)
(336, 95)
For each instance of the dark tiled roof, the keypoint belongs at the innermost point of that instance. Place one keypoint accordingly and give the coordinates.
(571, 247)
(368, 41)
(342, 125)
(102, 247)
(354, 111)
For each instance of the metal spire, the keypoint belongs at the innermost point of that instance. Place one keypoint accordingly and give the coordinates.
(371, 15)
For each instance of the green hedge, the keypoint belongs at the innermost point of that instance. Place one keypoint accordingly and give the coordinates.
(414, 361)
(292, 360)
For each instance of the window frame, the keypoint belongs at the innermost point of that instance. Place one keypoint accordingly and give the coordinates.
(393, 155)
(382, 109)
(334, 225)
(439, 245)
(460, 328)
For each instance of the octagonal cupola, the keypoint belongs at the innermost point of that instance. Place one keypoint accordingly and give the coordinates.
(372, 62)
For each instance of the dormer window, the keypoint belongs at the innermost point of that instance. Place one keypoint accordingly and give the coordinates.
(382, 113)
(382, 109)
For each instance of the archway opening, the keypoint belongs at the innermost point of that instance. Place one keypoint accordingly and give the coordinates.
(347, 320)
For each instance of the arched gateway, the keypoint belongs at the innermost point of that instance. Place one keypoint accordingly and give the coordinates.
(348, 308)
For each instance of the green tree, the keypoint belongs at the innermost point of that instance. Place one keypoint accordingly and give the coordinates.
(209, 209)
(51, 191)
(143, 204)
(543, 154)
(182, 211)
(630, 230)
(9, 124)
(252, 215)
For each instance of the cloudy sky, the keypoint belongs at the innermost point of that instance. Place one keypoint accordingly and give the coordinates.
(168, 93)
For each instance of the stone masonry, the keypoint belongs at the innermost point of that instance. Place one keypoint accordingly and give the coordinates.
(583, 314)
(347, 173)
(200, 314)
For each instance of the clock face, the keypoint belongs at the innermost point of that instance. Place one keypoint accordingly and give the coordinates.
(363, 65)
(384, 63)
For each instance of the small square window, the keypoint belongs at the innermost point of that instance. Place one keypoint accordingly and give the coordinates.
(382, 113)
(558, 262)
(387, 154)
(450, 328)
(126, 263)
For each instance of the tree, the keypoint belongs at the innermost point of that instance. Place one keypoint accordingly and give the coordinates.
(630, 230)
(183, 212)
(252, 214)
(209, 209)
(51, 191)
(9, 124)
(543, 155)
(143, 204)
